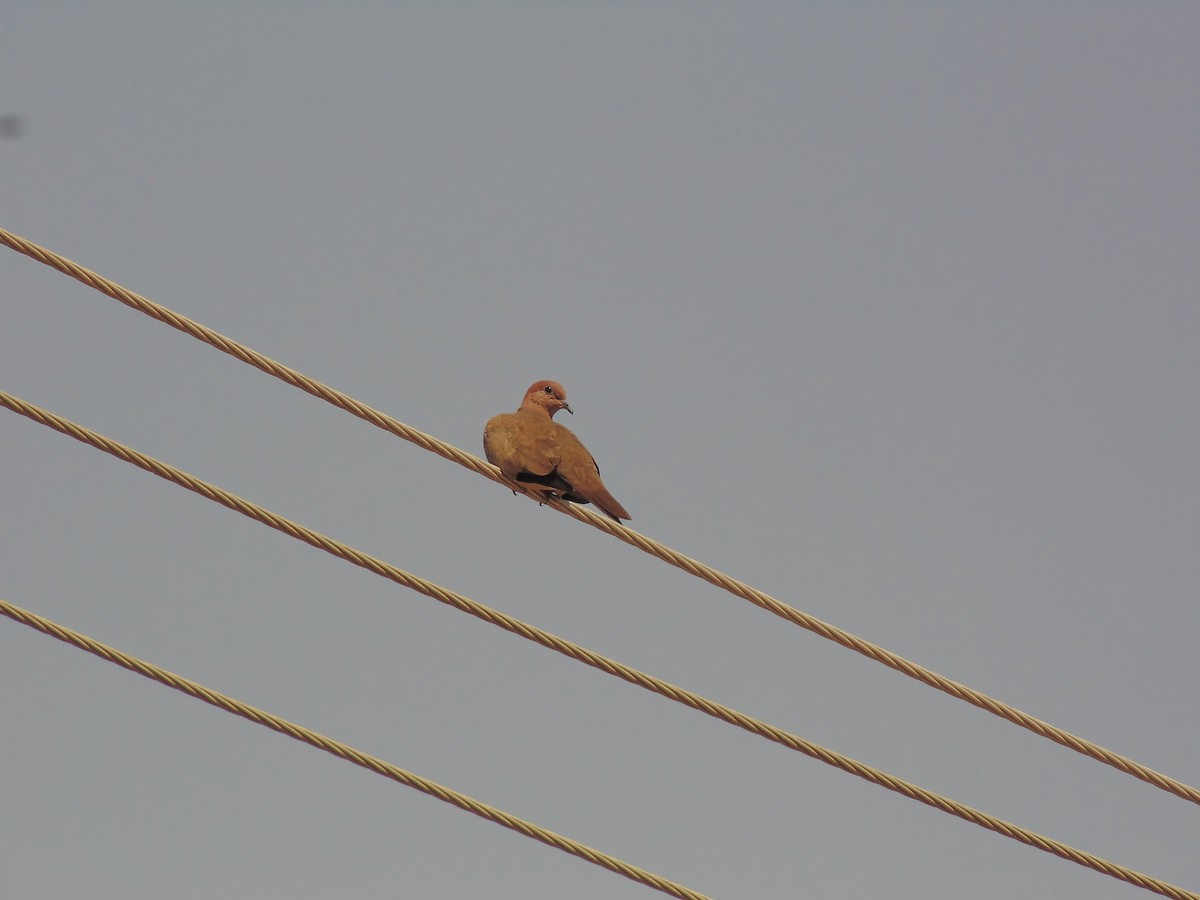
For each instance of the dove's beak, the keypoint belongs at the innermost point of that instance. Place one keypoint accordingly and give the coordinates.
(568, 409)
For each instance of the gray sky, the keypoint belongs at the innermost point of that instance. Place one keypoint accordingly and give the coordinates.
(888, 309)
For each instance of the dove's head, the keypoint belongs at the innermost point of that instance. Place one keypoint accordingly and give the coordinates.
(547, 396)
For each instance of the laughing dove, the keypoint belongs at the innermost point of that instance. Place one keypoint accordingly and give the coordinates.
(531, 448)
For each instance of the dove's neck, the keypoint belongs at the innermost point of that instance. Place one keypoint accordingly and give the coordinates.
(536, 410)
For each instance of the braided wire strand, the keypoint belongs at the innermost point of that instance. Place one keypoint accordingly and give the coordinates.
(348, 753)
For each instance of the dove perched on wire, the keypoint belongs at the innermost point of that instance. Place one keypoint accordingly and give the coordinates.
(530, 447)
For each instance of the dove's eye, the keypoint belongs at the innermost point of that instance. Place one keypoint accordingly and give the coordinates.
(548, 389)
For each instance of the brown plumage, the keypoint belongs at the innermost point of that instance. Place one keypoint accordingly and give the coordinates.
(530, 447)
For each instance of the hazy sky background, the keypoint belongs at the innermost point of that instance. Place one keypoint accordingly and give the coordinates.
(888, 309)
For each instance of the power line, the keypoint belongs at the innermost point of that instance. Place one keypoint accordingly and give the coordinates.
(628, 535)
(589, 657)
(348, 753)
